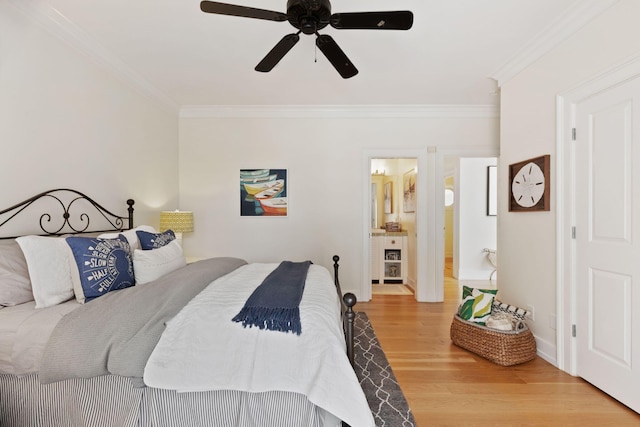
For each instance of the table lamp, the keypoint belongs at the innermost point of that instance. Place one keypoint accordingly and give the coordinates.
(177, 221)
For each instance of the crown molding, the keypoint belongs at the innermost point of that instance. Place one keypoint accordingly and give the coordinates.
(61, 27)
(339, 111)
(578, 15)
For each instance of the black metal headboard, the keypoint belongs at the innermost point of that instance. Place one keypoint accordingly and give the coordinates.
(70, 214)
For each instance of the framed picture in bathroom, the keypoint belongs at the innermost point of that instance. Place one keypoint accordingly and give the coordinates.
(409, 191)
(388, 197)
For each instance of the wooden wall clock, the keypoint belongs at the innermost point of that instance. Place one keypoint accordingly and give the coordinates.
(529, 185)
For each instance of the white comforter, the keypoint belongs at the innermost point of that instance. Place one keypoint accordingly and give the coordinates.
(202, 349)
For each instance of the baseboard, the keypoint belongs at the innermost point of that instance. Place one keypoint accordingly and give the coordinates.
(412, 284)
(546, 351)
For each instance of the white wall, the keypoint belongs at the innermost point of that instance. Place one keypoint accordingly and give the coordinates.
(476, 230)
(66, 122)
(324, 161)
(527, 241)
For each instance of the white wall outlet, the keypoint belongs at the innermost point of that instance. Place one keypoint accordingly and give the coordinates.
(532, 312)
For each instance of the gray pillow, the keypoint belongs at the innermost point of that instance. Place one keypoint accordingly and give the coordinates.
(15, 285)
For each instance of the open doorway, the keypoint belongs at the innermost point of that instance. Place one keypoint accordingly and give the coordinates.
(393, 244)
(419, 234)
(470, 220)
(449, 229)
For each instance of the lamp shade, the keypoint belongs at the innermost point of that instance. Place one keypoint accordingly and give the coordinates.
(178, 221)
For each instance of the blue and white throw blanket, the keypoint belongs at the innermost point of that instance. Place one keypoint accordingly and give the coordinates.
(275, 304)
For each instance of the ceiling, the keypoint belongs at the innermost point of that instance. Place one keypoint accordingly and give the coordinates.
(191, 58)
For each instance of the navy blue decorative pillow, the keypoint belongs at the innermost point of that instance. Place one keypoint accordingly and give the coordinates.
(104, 265)
(154, 240)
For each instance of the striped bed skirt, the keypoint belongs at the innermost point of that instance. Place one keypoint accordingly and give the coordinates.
(113, 401)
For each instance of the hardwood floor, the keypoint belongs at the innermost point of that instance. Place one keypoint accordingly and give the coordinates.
(448, 386)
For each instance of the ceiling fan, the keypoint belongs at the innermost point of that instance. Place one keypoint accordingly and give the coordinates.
(310, 16)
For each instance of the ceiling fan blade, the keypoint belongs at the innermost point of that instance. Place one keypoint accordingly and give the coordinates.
(336, 56)
(277, 53)
(242, 11)
(394, 20)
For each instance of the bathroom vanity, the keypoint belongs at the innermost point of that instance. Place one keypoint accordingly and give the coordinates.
(388, 256)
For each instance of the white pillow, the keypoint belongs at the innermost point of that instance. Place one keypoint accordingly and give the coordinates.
(130, 235)
(153, 264)
(15, 285)
(49, 269)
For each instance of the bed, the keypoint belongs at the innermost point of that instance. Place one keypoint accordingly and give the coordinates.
(98, 330)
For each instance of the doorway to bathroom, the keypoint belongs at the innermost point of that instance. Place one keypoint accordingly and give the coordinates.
(394, 228)
(393, 234)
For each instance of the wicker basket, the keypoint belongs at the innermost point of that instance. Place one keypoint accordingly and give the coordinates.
(504, 348)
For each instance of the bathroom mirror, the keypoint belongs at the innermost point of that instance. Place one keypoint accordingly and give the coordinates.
(374, 205)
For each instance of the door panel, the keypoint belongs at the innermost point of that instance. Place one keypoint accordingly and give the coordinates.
(609, 329)
(607, 214)
(610, 131)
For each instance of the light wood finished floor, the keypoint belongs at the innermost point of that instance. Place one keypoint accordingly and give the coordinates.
(448, 386)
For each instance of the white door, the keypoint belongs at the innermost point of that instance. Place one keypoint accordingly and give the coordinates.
(607, 214)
